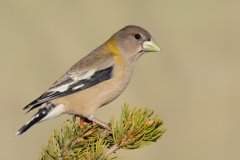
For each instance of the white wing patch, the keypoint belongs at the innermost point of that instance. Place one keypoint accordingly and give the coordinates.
(75, 77)
(85, 75)
(60, 88)
(77, 87)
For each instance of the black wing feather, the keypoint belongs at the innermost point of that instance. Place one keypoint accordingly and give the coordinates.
(96, 78)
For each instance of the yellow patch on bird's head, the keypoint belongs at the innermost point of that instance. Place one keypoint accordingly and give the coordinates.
(112, 47)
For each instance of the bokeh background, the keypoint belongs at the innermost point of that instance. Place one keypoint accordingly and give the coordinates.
(193, 84)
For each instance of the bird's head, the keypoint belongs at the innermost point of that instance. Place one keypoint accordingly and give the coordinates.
(132, 41)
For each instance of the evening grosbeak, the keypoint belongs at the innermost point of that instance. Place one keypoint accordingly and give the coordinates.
(95, 80)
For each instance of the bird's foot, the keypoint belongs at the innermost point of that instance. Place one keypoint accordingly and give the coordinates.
(82, 122)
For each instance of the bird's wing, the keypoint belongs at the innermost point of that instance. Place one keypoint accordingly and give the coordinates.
(72, 82)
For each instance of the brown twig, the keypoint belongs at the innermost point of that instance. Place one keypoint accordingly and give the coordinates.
(110, 151)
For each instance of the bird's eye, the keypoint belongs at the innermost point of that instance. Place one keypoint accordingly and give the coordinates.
(138, 37)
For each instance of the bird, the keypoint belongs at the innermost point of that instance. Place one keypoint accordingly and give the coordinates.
(95, 80)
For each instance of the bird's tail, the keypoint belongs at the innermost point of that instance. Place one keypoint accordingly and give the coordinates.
(46, 112)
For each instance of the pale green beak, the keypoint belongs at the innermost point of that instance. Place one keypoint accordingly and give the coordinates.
(151, 46)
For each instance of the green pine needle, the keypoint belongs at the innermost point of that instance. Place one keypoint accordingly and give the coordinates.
(136, 128)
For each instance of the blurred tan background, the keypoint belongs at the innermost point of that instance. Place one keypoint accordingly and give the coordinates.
(194, 84)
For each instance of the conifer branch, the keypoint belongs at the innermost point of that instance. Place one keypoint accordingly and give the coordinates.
(136, 128)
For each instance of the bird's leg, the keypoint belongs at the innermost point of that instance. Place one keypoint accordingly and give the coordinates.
(106, 126)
